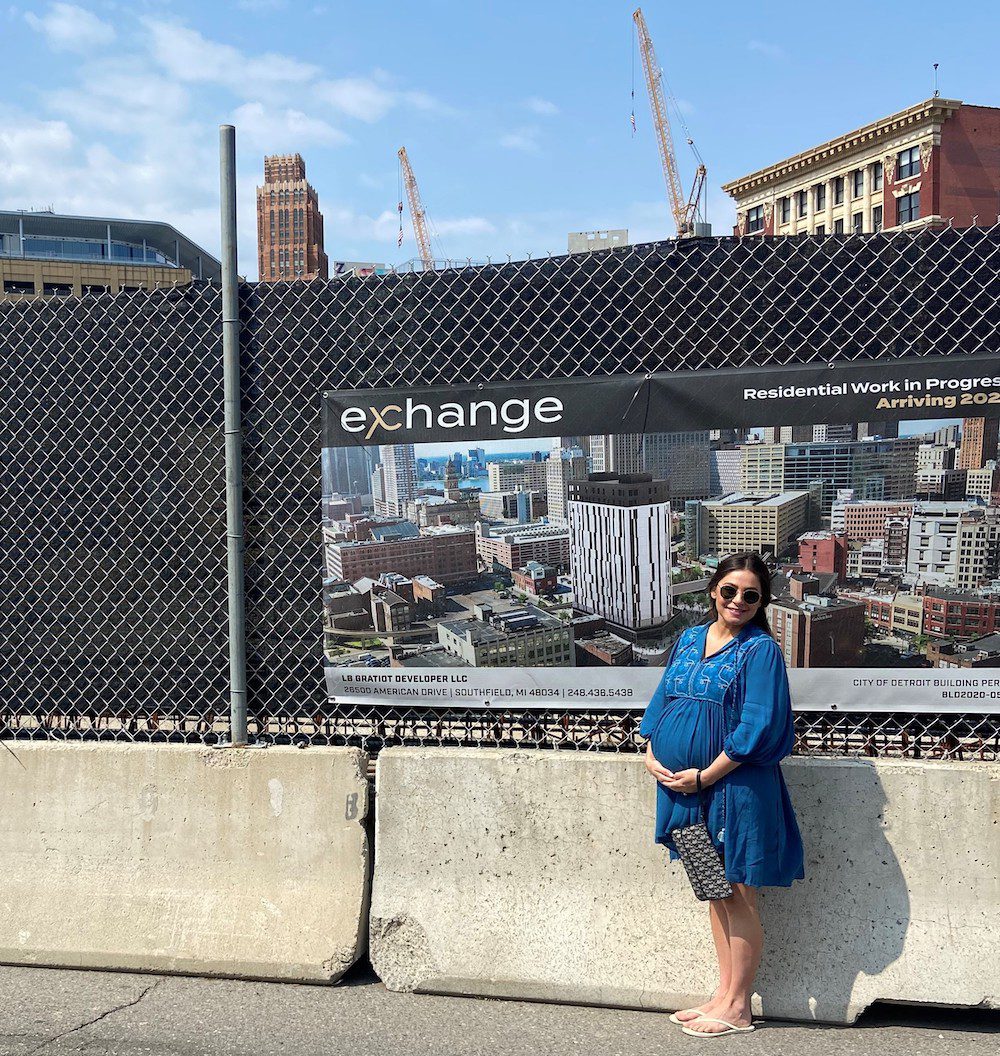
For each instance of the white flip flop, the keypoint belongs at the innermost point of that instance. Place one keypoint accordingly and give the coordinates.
(731, 1029)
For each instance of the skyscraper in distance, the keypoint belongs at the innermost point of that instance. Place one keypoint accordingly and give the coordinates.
(399, 479)
(289, 223)
(979, 442)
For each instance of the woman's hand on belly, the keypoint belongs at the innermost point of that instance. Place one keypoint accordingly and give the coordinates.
(684, 781)
(661, 773)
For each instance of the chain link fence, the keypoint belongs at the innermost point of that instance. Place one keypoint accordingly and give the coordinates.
(112, 509)
(112, 517)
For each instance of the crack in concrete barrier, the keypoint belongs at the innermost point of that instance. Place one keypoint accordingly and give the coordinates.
(97, 1019)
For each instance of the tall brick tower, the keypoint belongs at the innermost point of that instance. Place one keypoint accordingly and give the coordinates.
(289, 223)
(979, 442)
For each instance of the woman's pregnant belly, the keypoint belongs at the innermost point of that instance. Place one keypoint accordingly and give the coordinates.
(690, 733)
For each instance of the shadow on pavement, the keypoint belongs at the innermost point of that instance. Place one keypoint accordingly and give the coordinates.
(929, 1017)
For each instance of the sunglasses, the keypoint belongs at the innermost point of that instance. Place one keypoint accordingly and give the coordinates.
(728, 592)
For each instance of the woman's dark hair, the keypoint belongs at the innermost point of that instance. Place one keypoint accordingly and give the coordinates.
(748, 562)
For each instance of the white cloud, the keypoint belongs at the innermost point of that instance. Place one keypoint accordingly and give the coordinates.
(70, 28)
(525, 139)
(358, 97)
(125, 99)
(187, 55)
(371, 98)
(276, 130)
(543, 107)
(26, 147)
(769, 51)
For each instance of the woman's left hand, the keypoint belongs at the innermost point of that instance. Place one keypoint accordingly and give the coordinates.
(685, 781)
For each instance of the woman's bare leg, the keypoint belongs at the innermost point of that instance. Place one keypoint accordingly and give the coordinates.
(719, 917)
(746, 944)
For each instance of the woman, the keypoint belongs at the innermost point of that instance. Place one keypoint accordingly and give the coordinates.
(722, 710)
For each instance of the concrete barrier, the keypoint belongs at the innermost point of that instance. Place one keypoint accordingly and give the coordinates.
(170, 858)
(533, 875)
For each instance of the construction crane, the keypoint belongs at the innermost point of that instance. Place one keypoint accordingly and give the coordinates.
(417, 214)
(685, 210)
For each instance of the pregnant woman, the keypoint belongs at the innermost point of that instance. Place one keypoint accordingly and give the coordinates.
(721, 717)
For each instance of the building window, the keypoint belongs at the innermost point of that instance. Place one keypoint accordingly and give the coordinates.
(803, 203)
(857, 183)
(877, 176)
(785, 209)
(877, 218)
(909, 163)
(820, 191)
(838, 190)
(755, 219)
(908, 207)
(838, 226)
(821, 229)
(857, 223)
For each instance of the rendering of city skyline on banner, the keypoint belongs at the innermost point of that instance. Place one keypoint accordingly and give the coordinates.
(594, 551)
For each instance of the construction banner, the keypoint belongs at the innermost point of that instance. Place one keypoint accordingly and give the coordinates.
(542, 544)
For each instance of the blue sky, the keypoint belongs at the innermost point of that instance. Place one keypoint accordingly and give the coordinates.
(907, 428)
(515, 114)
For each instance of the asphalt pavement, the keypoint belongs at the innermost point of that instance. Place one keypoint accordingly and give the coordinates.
(56, 1013)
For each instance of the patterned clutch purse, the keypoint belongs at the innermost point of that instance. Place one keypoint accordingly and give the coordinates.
(700, 859)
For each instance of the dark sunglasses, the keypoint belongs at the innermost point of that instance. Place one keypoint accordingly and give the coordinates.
(728, 592)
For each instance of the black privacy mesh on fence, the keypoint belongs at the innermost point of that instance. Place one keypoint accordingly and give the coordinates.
(112, 517)
(112, 482)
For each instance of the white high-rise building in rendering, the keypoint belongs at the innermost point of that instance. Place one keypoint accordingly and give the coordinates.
(620, 453)
(378, 488)
(620, 550)
(399, 478)
(948, 542)
(562, 466)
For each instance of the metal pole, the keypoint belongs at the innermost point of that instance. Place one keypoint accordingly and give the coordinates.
(234, 442)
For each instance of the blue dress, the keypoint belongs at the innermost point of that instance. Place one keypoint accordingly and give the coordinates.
(735, 701)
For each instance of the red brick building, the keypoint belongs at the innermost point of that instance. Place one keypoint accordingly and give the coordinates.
(444, 555)
(953, 614)
(823, 552)
(818, 631)
(289, 223)
(535, 578)
(935, 163)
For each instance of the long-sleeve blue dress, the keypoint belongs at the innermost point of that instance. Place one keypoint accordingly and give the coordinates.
(735, 701)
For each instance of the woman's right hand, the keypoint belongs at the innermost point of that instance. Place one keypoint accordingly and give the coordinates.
(661, 773)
